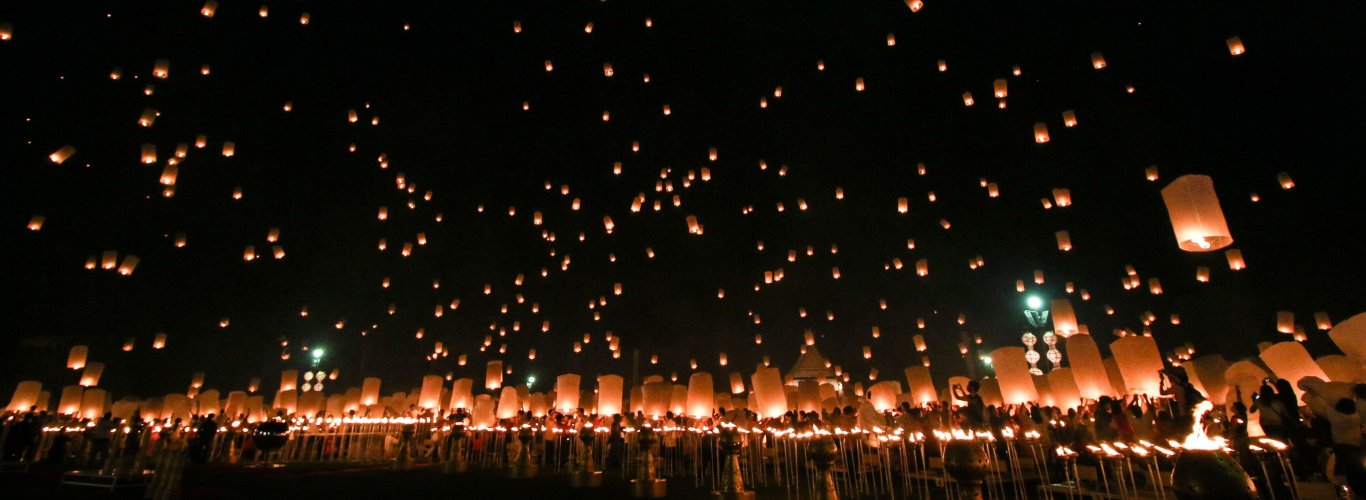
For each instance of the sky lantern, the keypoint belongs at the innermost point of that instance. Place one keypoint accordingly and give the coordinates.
(609, 394)
(922, 267)
(493, 375)
(701, 395)
(1285, 322)
(26, 395)
(1235, 259)
(858, 85)
(161, 68)
(1064, 241)
(1063, 385)
(430, 395)
(6, 32)
(967, 99)
(1064, 317)
(1285, 181)
(1139, 360)
(1012, 372)
(1088, 369)
(36, 223)
(1350, 337)
(159, 341)
(1040, 133)
(1069, 118)
(1322, 322)
(61, 155)
(149, 154)
(1235, 46)
(91, 376)
(229, 149)
(1000, 88)
(75, 359)
(943, 65)
(1288, 360)
(1097, 61)
(1062, 197)
(915, 5)
(883, 395)
(1196, 218)
(1202, 274)
(130, 262)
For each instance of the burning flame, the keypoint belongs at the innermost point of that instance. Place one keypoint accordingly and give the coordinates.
(1198, 440)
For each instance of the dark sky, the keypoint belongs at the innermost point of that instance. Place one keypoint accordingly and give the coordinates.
(449, 94)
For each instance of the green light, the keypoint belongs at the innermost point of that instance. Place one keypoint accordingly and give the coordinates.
(986, 359)
(318, 353)
(1034, 302)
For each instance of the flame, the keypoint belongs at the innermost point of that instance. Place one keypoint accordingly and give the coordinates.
(1198, 440)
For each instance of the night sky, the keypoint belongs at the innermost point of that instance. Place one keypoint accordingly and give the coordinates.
(447, 83)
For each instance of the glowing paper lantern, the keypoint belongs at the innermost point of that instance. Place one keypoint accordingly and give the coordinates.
(289, 380)
(999, 88)
(75, 359)
(1087, 367)
(609, 394)
(1235, 46)
(1197, 219)
(493, 376)
(369, 392)
(1139, 361)
(1012, 373)
(1207, 374)
(701, 395)
(25, 396)
(567, 392)
(509, 403)
(883, 395)
(1069, 119)
(1285, 322)
(737, 383)
(770, 399)
(1322, 322)
(1063, 386)
(93, 403)
(920, 385)
(1064, 317)
(657, 396)
(1235, 259)
(1340, 368)
(1040, 132)
(91, 376)
(483, 414)
(1064, 241)
(430, 397)
(1289, 360)
(1097, 61)
(61, 155)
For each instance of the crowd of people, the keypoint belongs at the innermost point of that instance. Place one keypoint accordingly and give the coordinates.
(1321, 426)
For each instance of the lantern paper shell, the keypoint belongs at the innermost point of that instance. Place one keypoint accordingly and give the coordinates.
(737, 383)
(1064, 317)
(921, 385)
(1012, 373)
(289, 380)
(1340, 368)
(1139, 361)
(462, 393)
(430, 397)
(1288, 360)
(883, 395)
(493, 376)
(93, 403)
(369, 392)
(91, 376)
(25, 396)
(700, 395)
(991, 392)
(75, 359)
(483, 413)
(609, 394)
(1350, 337)
(567, 392)
(808, 395)
(770, 399)
(1087, 367)
(1066, 395)
(1207, 374)
(1044, 389)
(656, 395)
(1197, 220)
(509, 403)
